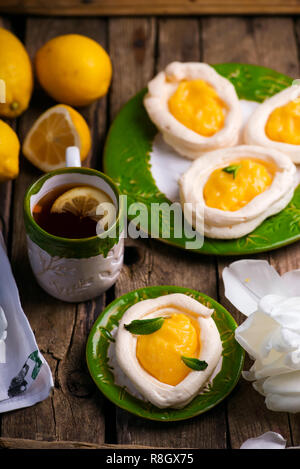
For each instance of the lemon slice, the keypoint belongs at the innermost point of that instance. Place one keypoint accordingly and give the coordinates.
(55, 130)
(83, 201)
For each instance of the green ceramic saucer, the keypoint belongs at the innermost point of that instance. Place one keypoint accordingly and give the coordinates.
(103, 375)
(127, 161)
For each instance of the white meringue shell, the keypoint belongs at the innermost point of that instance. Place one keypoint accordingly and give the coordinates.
(184, 140)
(225, 224)
(160, 394)
(254, 132)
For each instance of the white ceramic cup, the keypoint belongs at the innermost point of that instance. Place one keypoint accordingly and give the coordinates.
(74, 270)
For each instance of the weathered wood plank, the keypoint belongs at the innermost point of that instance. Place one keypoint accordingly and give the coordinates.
(228, 40)
(179, 39)
(75, 410)
(152, 263)
(5, 205)
(131, 44)
(20, 443)
(247, 414)
(150, 7)
(276, 45)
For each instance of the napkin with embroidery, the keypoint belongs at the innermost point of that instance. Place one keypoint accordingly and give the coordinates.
(25, 376)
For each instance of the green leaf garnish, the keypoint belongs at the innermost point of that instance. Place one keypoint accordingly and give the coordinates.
(105, 333)
(232, 169)
(144, 326)
(194, 363)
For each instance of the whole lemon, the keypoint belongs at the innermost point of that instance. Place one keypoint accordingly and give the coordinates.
(16, 71)
(9, 152)
(73, 69)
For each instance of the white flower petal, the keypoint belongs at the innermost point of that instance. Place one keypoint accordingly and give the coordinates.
(291, 282)
(281, 340)
(251, 334)
(287, 383)
(283, 402)
(268, 302)
(275, 364)
(291, 339)
(247, 281)
(258, 386)
(287, 313)
(269, 440)
(249, 375)
(292, 359)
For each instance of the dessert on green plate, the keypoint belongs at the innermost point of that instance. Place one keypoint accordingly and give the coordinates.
(132, 353)
(147, 169)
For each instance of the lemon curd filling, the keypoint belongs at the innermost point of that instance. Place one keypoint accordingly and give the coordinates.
(160, 353)
(283, 124)
(196, 105)
(235, 185)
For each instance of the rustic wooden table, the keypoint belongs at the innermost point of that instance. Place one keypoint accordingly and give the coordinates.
(76, 411)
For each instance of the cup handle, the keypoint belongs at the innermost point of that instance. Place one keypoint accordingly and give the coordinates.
(73, 157)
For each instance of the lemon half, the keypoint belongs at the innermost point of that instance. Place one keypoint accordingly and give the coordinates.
(56, 129)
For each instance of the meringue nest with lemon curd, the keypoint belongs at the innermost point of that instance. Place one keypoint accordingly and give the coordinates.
(229, 192)
(168, 347)
(276, 123)
(196, 109)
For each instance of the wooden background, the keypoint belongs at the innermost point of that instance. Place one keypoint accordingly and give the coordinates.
(76, 411)
(149, 7)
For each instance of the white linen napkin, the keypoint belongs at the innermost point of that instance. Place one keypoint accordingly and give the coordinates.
(3, 335)
(25, 377)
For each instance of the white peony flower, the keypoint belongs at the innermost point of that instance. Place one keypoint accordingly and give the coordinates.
(3, 335)
(271, 333)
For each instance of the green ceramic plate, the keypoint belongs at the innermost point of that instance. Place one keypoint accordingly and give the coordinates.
(103, 375)
(127, 161)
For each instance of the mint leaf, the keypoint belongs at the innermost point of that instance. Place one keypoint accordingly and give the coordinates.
(194, 363)
(232, 169)
(144, 326)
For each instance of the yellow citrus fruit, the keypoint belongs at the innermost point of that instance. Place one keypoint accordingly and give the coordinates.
(16, 71)
(9, 152)
(56, 129)
(82, 201)
(73, 69)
